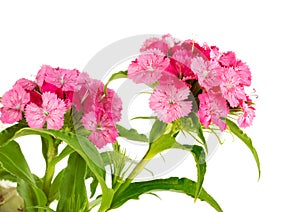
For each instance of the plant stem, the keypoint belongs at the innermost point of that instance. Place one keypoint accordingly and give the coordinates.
(135, 172)
(51, 152)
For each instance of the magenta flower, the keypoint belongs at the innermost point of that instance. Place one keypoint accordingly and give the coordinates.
(63, 78)
(102, 126)
(148, 67)
(246, 119)
(26, 84)
(163, 44)
(212, 108)
(14, 102)
(170, 102)
(110, 103)
(51, 112)
(244, 73)
(206, 72)
(42, 73)
(231, 87)
(180, 64)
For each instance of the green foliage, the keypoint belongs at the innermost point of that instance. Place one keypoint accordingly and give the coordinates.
(246, 139)
(158, 128)
(174, 184)
(131, 134)
(73, 195)
(13, 160)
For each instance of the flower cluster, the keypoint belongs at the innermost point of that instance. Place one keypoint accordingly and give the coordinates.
(186, 75)
(43, 103)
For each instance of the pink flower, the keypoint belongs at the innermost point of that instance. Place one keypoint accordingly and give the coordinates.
(62, 78)
(180, 64)
(163, 44)
(148, 67)
(200, 51)
(212, 108)
(85, 92)
(206, 71)
(244, 73)
(246, 119)
(231, 87)
(14, 102)
(26, 84)
(52, 112)
(170, 102)
(102, 126)
(110, 103)
(228, 59)
(40, 77)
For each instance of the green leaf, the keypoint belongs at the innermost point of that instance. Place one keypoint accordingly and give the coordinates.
(131, 134)
(54, 189)
(5, 175)
(158, 128)
(247, 140)
(94, 184)
(174, 184)
(199, 157)
(118, 75)
(161, 144)
(192, 124)
(86, 149)
(7, 134)
(73, 195)
(13, 160)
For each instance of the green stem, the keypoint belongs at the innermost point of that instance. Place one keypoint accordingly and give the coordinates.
(50, 154)
(135, 172)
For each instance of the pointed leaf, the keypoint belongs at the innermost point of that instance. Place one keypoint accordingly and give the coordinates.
(174, 184)
(199, 157)
(158, 128)
(161, 144)
(73, 195)
(86, 149)
(7, 135)
(246, 139)
(13, 160)
(131, 134)
(119, 75)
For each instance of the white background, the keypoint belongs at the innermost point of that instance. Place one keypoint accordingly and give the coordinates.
(263, 33)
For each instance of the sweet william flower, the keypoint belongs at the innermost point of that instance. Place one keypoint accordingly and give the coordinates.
(246, 118)
(231, 87)
(206, 71)
(170, 102)
(212, 107)
(63, 79)
(148, 67)
(163, 44)
(102, 126)
(14, 102)
(51, 112)
(26, 84)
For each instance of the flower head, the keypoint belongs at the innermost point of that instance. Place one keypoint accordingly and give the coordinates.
(14, 102)
(170, 102)
(148, 67)
(51, 111)
(26, 84)
(246, 119)
(102, 126)
(206, 72)
(212, 108)
(231, 87)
